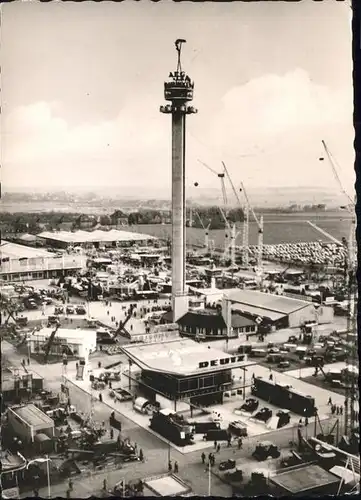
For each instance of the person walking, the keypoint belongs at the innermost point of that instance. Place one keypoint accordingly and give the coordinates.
(215, 445)
(36, 492)
(240, 443)
(337, 410)
(218, 448)
(68, 493)
(141, 456)
(213, 460)
(104, 484)
(111, 432)
(306, 421)
(100, 397)
(341, 410)
(70, 484)
(329, 402)
(176, 467)
(169, 466)
(203, 457)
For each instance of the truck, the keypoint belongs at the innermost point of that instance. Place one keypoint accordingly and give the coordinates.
(172, 426)
(284, 396)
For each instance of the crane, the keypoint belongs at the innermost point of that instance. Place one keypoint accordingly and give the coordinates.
(122, 324)
(206, 232)
(49, 343)
(259, 222)
(223, 210)
(352, 391)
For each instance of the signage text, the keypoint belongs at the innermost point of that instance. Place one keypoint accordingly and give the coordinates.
(221, 361)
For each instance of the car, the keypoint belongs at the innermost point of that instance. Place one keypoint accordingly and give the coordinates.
(250, 405)
(227, 464)
(234, 475)
(80, 310)
(265, 450)
(264, 414)
(283, 364)
(70, 310)
(59, 310)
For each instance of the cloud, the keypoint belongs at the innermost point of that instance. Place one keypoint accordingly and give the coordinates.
(273, 117)
(275, 108)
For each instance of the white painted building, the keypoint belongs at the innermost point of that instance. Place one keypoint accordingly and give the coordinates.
(80, 342)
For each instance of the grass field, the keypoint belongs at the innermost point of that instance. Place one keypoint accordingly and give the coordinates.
(275, 231)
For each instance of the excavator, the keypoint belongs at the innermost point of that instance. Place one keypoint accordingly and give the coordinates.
(49, 343)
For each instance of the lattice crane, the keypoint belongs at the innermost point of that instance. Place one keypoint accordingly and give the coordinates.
(223, 210)
(259, 222)
(206, 231)
(352, 391)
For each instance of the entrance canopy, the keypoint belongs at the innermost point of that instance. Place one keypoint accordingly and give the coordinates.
(183, 357)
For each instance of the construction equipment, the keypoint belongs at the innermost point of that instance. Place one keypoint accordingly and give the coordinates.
(352, 391)
(259, 223)
(245, 230)
(122, 324)
(206, 232)
(49, 343)
(223, 210)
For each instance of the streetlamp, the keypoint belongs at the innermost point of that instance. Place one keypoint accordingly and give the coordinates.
(43, 460)
(209, 478)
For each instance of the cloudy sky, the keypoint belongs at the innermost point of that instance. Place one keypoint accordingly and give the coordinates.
(82, 85)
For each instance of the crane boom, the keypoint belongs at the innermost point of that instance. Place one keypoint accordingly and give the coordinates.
(231, 183)
(200, 220)
(335, 173)
(250, 206)
(209, 168)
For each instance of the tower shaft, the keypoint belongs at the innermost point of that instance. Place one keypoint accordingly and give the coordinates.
(178, 203)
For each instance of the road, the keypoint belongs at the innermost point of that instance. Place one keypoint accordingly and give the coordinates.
(155, 450)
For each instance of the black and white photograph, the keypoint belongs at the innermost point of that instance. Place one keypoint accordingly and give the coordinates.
(178, 288)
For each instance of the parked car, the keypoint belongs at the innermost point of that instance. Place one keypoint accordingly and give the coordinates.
(59, 310)
(235, 475)
(70, 310)
(80, 310)
(227, 465)
(283, 364)
(265, 450)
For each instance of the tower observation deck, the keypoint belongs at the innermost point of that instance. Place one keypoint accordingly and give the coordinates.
(179, 91)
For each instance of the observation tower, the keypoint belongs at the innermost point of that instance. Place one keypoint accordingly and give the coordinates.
(179, 91)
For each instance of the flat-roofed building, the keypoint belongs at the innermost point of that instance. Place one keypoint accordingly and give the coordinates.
(21, 262)
(278, 310)
(305, 481)
(97, 238)
(184, 370)
(72, 341)
(27, 421)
